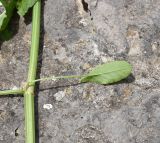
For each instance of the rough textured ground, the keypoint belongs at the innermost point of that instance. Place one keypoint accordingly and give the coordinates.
(73, 42)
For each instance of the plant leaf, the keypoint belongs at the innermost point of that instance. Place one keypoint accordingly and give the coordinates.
(7, 7)
(108, 73)
(24, 5)
(6, 34)
(3, 16)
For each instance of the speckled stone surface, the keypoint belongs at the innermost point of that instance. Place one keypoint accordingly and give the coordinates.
(72, 43)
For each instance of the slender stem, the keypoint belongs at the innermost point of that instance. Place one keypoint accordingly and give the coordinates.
(29, 93)
(9, 92)
(58, 77)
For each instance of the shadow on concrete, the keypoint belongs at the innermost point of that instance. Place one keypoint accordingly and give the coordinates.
(42, 33)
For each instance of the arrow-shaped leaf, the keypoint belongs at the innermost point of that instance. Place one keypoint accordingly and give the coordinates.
(108, 73)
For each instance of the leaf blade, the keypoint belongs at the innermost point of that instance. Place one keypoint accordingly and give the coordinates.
(6, 15)
(108, 73)
(24, 5)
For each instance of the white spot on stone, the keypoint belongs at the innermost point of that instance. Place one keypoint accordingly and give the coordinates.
(96, 50)
(134, 42)
(83, 22)
(59, 95)
(54, 78)
(106, 59)
(154, 46)
(47, 106)
(135, 48)
(15, 88)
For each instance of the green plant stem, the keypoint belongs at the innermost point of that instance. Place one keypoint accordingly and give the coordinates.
(14, 92)
(29, 93)
(58, 77)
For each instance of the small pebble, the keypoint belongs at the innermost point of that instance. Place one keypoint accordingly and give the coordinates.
(59, 95)
(15, 88)
(54, 78)
(47, 106)
(83, 22)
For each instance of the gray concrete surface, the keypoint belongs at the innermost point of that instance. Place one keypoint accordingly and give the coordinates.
(128, 112)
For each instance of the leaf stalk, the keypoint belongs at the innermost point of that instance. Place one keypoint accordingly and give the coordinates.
(12, 92)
